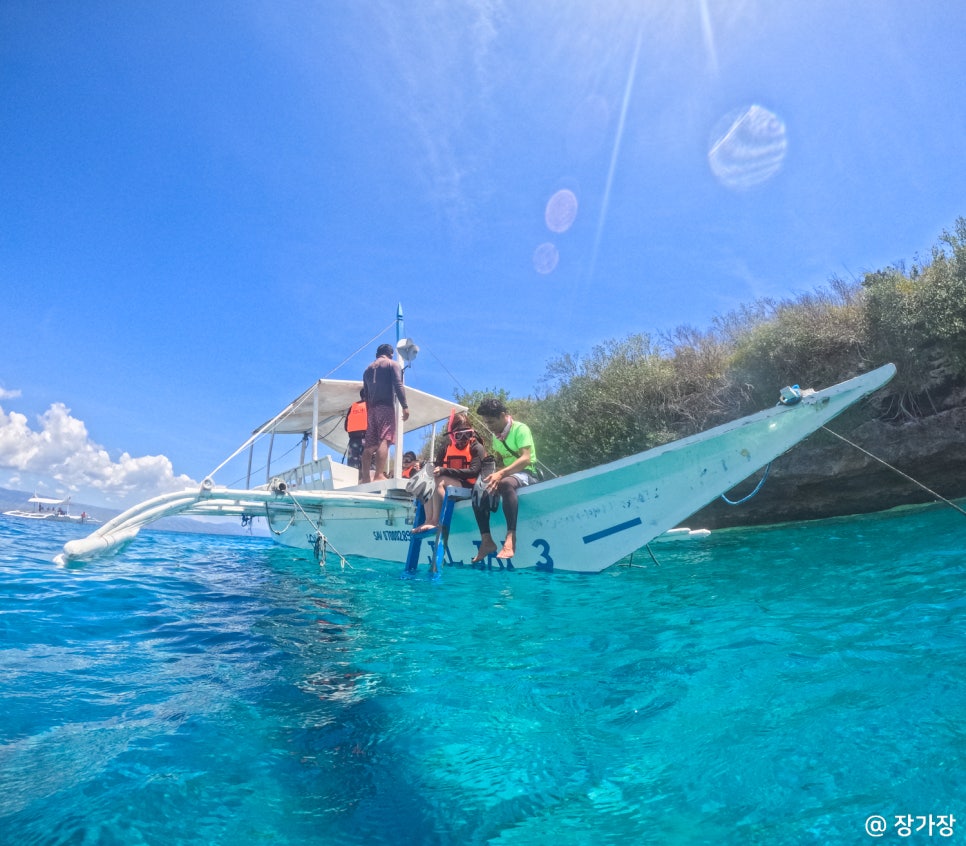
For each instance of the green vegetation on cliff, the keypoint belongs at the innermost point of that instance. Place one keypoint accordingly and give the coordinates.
(634, 393)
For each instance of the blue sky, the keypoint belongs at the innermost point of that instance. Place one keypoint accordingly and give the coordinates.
(204, 206)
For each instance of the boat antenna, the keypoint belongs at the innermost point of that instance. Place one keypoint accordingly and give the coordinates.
(397, 456)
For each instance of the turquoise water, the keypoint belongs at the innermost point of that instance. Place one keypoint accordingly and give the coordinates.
(760, 687)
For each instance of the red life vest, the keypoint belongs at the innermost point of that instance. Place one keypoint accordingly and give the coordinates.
(356, 418)
(459, 459)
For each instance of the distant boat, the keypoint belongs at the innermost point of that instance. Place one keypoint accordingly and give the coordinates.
(54, 510)
(583, 522)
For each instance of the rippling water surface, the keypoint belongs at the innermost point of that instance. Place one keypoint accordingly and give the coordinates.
(763, 686)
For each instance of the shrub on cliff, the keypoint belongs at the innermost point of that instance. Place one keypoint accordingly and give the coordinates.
(816, 339)
(918, 321)
(632, 394)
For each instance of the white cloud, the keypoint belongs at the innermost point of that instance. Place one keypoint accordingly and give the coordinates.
(5, 394)
(61, 450)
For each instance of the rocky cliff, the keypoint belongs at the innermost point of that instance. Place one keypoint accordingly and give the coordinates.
(824, 477)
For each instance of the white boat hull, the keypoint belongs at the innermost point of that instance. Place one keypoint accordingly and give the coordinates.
(381, 533)
(588, 521)
(51, 518)
(580, 523)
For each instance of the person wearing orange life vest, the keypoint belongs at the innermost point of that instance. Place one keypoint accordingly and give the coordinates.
(356, 421)
(411, 465)
(458, 464)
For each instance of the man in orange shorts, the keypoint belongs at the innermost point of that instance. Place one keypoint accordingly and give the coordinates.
(382, 383)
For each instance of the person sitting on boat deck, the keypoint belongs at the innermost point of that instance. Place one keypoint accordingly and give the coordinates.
(458, 463)
(382, 382)
(355, 426)
(513, 442)
(411, 464)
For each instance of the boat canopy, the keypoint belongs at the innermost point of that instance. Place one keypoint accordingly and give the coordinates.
(46, 500)
(324, 405)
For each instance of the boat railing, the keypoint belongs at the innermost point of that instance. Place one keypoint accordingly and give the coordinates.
(322, 474)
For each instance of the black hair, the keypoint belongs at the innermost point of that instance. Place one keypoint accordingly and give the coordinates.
(384, 349)
(491, 407)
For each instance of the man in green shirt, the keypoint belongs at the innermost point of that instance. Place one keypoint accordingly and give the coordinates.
(513, 442)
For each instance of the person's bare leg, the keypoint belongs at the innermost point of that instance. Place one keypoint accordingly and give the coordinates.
(382, 461)
(508, 495)
(432, 512)
(365, 471)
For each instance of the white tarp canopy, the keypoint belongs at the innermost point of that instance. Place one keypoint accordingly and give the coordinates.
(333, 398)
(46, 500)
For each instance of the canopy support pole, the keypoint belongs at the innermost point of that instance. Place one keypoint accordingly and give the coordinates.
(315, 425)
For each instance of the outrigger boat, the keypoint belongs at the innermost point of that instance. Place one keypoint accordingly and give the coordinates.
(583, 522)
(50, 509)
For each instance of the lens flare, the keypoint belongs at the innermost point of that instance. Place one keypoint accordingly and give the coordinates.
(545, 258)
(561, 211)
(748, 148)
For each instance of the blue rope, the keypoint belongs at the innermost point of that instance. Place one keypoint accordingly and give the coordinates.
(757, 488)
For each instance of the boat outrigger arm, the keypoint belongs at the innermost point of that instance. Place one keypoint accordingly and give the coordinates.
(212, 501)
(317, 483)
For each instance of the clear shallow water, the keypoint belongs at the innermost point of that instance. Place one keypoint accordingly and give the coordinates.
(763, 686)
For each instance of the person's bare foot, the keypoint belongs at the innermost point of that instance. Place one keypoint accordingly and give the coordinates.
(508, 547)
(426, 527)
(487, 547)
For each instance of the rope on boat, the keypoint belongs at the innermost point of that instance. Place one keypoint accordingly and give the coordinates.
(546, 471)
(790, 395)
(757, 488)
(366, 344)
(896, 470)
(287, 410)
(630, 561)
(321, 545)
(268, 519)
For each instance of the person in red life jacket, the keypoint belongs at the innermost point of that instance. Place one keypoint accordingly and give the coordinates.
(382, 383)
(411, 465)
(356, 421)
(458, 464)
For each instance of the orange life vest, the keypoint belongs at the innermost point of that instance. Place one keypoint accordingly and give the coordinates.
(357, 418)
(408, 472)
(459, 459)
